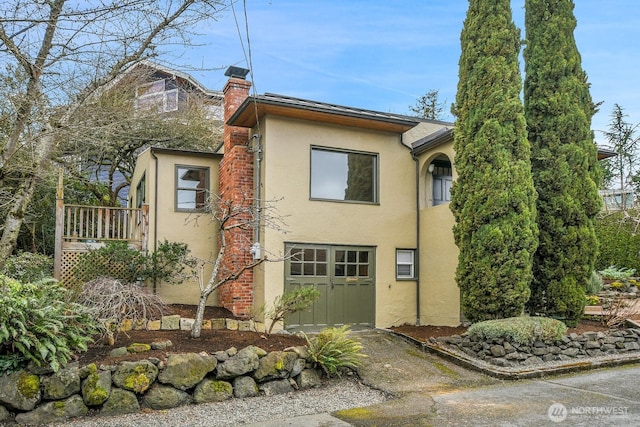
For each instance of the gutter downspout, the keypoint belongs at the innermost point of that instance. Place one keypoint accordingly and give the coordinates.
(155, 212)
(417, 260)
(258, 194)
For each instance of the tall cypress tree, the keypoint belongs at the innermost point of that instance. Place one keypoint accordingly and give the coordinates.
(493, 199)
(559, 109)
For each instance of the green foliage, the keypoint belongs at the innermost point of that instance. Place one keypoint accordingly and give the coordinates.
(28, 267)
(521, 330)
(291, 302)
(37, 325)
(558, 110)
(593, 300)
(169, 263)
(617, 273)
(333, 352)
(493, 199)
(594, 285)
(619, 244)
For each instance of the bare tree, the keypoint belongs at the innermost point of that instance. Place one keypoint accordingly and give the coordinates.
(235, 220)
(68, 52)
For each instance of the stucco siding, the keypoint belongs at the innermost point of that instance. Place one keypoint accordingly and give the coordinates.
(387, 225)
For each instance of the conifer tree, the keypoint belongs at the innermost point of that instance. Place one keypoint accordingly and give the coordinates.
(493, 199)
(559, 109)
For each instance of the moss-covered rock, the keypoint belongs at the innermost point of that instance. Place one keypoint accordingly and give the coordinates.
(61, 384)
(20, 390)
(212, 391)
(96, 388)
(277, 364)
(57, 411)
(120, 402)
(184, 371)
(135, 376)
(165, 397)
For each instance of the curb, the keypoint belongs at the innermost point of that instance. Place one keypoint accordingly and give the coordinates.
(538, 371)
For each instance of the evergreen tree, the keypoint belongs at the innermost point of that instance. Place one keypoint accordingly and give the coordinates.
(558, 109)
(493, 199)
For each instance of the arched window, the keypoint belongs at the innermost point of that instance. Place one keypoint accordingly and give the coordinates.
(441, 178)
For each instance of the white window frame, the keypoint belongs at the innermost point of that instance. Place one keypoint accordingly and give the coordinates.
(403, 263)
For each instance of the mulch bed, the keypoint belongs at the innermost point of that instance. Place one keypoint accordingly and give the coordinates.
(220, 340)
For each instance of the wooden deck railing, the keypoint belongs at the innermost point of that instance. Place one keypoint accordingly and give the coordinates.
(97, 224)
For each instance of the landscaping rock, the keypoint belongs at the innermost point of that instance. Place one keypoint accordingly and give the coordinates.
(4, 414)
(61, 384)
(137, 347)
(183, 371)
(276, 387)
(165, 397)
(20, 390)
(277, 364)
(308, 378)
(212, 391)
(170, 323)
(245, 361)
(51, 412)
(120, 402)
(161, 345)
(135, 376)
(245, 387)
(96, 388)
(118, 352)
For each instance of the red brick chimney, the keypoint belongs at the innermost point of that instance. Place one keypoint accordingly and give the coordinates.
(236, 186)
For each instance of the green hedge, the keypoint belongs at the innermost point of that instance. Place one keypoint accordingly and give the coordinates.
(521, 330)
(618, 243)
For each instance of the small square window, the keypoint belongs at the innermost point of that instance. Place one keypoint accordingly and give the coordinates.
(405, 264)
(192, 188)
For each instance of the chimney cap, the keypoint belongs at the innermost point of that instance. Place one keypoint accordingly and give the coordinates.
(236, 72)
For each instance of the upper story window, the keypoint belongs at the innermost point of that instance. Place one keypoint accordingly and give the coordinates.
(159, 95)
(192, 188)
(344, 175)
(441, 178)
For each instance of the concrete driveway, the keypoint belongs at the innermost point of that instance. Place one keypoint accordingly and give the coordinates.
(430, 391)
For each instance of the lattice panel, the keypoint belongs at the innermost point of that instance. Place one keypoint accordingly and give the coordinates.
(70, 260)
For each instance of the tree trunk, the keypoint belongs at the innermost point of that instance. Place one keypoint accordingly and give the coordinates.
(197, 326)
(15, 217)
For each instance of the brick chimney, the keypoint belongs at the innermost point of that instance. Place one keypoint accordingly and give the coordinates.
(236, 186)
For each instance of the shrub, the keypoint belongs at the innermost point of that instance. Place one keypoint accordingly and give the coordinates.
(28, 267)
(594, 285)
(619, 242)
(333, 352)
(521, 330)
(617, 273)
(291, 302)
(112, 301)
(37, 325)
(169, 263)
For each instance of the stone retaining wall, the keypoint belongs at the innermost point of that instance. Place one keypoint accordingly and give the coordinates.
(572, 347)
(175, 322)
(33, 396)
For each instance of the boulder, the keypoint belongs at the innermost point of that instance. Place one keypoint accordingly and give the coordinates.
(4, 414)
(61, 384)
(20, 390)
(245, 361)
(165, 397)
(271, 388)
(244, 387)
(183, 371)
(308, 378)
(120, 402)
(135, 376)
(96, 388)
(275, 365)
(212, 391)
(51, 412)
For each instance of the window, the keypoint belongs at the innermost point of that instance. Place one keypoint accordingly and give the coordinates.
(344, 176)
(141, 190)
(352, 263)
(405, 264)
(158, 95)
(308, 262)
(192, 187)
(441, 175)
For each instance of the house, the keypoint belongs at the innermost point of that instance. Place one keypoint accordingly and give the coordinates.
(365, 198)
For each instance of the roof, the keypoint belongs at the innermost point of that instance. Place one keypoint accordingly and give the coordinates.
(435, 139)
(182, 152)
(257, 106)
(181, 75)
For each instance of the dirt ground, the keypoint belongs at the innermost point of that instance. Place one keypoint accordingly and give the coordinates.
(218, 340)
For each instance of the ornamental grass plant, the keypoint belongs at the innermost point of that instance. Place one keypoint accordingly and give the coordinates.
(522, 330)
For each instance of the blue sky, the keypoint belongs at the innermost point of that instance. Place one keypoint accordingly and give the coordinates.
(383, 55)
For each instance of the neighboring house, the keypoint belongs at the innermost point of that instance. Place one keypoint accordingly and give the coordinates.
(365, 195)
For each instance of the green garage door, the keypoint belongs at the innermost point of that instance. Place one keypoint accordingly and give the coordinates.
(344, 276)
